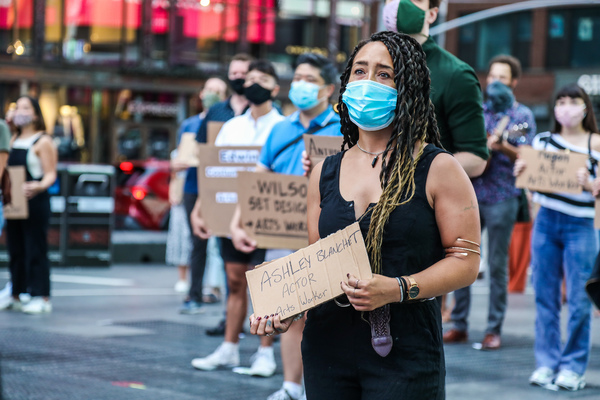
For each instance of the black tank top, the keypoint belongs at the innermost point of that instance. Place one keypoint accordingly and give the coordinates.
(411, 240)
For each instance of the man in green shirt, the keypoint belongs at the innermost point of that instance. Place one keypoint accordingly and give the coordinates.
(455, 89)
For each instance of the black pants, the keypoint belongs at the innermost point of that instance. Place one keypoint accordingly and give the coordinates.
(27, 242)
(198, 257)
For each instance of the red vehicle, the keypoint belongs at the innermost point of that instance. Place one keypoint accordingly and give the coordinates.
(142, 195)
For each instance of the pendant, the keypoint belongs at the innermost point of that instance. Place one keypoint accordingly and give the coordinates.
(374, 161)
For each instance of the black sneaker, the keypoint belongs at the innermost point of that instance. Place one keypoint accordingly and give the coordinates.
(218, 330)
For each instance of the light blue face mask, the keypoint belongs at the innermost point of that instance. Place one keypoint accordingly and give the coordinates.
(371, 105)
(304, 95)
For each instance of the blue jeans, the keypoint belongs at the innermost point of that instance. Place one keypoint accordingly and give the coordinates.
(562, 247)
(499, 220)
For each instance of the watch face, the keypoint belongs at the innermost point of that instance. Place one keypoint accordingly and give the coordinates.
(413, 292)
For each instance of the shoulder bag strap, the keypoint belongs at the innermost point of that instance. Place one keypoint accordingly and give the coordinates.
(299, 137)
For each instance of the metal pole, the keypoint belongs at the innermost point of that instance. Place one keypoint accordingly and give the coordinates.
(507, 9)
(333, 32)
(39, 30)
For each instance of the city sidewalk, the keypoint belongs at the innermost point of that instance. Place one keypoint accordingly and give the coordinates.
(115, 334)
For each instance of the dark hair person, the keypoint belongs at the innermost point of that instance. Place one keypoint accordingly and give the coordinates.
(418, 212)
(564, 245)
(27, 238)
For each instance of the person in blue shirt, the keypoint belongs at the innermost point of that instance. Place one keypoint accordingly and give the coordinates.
(312, 86)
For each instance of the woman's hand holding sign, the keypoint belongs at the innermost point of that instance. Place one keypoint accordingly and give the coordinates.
(369, 294)
(269, 325)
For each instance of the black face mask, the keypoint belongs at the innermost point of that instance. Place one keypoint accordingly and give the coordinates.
(237, 85)
(257, 94)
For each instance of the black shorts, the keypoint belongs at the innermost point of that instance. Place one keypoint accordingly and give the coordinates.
(230, 254)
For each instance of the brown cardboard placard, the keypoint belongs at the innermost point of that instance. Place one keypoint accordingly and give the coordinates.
(217, 185)
(187, 151)
(597, 214)
(550, 171)
(318, 147)
(274, 209)
(18, 207)
(212, 131)
(310, 276)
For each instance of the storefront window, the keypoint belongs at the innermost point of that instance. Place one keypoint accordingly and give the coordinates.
(573, 37)
(16, 22)
(481, 41)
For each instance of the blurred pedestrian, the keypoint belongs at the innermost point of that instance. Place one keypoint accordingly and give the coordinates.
(249, 129)
(509, 125)
(564, 246)
(412, 200)
(180, 243)
(312, 87)
(27, 240)
(223, 111)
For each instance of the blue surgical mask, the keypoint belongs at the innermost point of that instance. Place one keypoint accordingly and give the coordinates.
(371, 105)
(304, 95)
(499, 97)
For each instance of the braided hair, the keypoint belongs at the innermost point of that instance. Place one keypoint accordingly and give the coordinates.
(414, 120)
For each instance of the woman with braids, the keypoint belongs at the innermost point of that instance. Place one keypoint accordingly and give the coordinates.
(418, 213)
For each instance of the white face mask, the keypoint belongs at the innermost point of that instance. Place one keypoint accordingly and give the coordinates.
(569, 115)
(21, 120)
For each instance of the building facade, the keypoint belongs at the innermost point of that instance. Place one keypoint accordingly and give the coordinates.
(556, 46)
(116, 77)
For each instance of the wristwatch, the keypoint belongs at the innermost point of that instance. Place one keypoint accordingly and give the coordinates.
(413, 288)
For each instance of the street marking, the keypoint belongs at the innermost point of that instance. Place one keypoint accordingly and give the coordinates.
(114, 292)
(85, 280)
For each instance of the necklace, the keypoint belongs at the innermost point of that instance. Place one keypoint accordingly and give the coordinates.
(373, 154)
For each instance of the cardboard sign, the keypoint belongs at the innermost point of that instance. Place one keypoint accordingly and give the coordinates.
(310, 276)
(274, 209)
(18, 207)
(550, 171)
(187, 151)
(318, 147)
(212, 131)
(217, 185)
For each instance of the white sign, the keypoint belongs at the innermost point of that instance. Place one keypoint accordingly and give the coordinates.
(590, 83)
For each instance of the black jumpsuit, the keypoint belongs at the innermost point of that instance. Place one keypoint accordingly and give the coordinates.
(339, 361)
(27, 239)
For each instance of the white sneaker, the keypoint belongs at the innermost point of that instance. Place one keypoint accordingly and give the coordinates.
(221, 357)
(569, 380)
(263, 362)
(181, 287)
(542, 376)
(37, 305)
(281, 394)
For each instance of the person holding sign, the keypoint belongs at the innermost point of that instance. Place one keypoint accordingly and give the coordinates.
(27, 239)
(509, 125)
(564, 245)
(312, 86)
(249, 129)
(418, 212)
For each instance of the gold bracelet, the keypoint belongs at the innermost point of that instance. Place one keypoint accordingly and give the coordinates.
(464, 249)
(468, 241)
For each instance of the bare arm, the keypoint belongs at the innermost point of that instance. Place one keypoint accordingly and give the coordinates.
(3, 161)
(48, 155)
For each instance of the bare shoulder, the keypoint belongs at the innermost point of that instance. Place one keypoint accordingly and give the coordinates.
(45, 140)
(445, 165)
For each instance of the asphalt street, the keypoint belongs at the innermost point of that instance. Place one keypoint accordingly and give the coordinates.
(115, 333)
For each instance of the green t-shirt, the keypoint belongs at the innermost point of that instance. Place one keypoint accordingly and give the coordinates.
(456, 95)
(4, 136)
